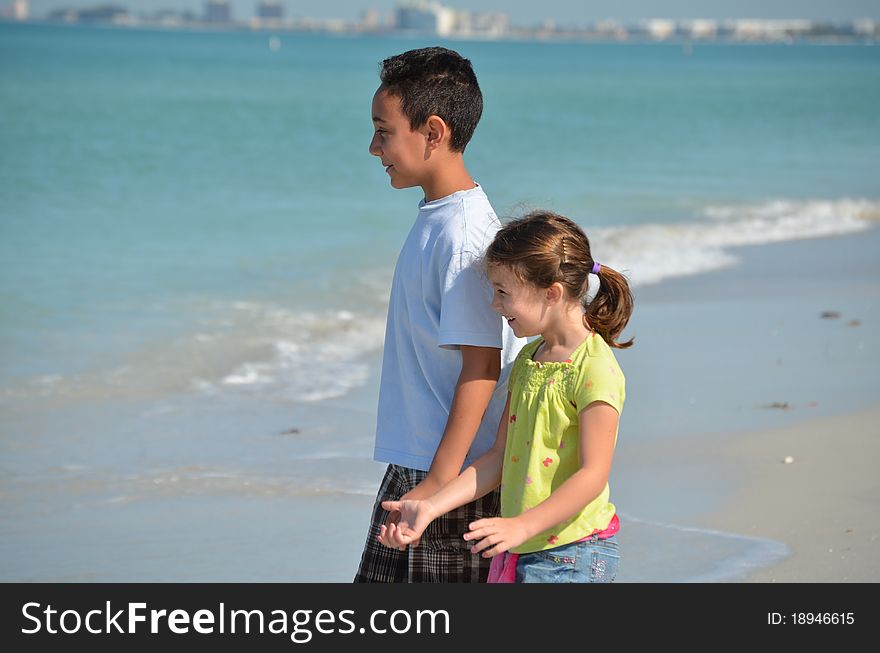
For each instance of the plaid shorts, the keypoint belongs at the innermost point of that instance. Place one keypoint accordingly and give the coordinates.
(442, 557)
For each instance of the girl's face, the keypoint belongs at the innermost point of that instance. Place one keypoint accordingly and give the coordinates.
(523, 305)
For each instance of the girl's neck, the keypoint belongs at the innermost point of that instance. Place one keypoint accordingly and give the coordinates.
(562, 338)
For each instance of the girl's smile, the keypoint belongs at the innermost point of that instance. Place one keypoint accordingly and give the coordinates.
(517, 302)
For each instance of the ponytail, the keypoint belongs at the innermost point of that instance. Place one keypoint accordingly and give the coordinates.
(543, 248)
(611, 308)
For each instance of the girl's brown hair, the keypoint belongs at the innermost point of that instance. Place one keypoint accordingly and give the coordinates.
(543, 248)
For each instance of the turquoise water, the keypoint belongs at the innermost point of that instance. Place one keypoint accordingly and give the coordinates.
(147, 174)
(196, 246)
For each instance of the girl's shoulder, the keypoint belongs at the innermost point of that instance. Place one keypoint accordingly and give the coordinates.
(595, 360)
(599, 376)
(594, 347)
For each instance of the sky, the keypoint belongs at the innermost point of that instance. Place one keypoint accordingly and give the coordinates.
(526, 12)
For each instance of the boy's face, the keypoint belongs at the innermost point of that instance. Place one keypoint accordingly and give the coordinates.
(401, 150)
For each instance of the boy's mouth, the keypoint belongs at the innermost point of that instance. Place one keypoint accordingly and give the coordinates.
(388, 167)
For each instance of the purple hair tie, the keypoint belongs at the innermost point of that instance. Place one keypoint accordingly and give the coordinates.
(596, 268)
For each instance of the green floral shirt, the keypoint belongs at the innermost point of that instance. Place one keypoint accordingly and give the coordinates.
(543, 440)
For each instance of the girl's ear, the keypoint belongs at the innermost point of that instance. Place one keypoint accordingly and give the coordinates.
(554, 293)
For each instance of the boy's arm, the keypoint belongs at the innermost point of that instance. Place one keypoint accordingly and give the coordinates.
(480, 369)
(476, 481)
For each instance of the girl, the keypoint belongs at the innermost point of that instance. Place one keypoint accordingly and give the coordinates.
(556, 439)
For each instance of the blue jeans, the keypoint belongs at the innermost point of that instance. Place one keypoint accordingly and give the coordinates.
(590, 561)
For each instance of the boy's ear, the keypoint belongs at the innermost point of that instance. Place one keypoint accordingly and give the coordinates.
(436, 131)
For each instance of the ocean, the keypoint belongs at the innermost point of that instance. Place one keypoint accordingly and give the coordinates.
(196, 250)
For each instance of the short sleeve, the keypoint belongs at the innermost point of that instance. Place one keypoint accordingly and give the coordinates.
(466, 317)
(600, 380)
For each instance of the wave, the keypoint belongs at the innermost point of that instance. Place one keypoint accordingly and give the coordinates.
(321, 357)
(83, 487)
(652, 253)
(300, 354)
(737, 557)
(243, 348)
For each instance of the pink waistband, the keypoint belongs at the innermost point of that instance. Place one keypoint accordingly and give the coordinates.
(613, 527)
(503, 567)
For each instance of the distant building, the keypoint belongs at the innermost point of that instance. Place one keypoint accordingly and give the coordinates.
(169, 18)
(270, 9)
(660, 29)
(20, 10)
(433, 18)
(864, 26)
(700, 29)
(65, 15)
(102, 14)
(427, 17)
(610, 29)
(770, 30)
(218, 11)
(370, 20)
(491, 25)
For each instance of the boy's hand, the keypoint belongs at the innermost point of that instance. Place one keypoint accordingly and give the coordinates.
(391, 537)
(421, 491)
(496, 535)
(413, 517)
(390, 522)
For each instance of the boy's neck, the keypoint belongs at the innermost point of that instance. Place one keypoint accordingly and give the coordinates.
(449, 178)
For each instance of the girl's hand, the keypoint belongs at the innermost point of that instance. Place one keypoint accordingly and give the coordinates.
(496, 535)
(414, 517)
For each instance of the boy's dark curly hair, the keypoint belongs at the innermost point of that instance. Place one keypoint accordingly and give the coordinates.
(436, 81)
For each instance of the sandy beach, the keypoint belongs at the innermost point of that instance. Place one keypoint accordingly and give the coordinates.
(733, 371)
(699, 477)
(823, 504)
(794, 380)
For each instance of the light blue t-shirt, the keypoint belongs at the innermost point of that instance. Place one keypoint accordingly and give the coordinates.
(440, 299)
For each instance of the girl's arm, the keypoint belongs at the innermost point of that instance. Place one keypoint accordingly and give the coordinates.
(597, 428)
(474, 482)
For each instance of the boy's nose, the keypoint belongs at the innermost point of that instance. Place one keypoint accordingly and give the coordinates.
(374, 148)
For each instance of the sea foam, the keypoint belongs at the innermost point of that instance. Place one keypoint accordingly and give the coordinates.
(652, 253)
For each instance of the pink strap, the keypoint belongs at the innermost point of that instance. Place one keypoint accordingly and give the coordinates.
(613, 529)
(503, 568)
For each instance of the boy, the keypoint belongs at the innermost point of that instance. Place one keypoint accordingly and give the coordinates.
(444, 370)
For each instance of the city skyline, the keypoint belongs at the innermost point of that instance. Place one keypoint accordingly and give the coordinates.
(567, 12)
